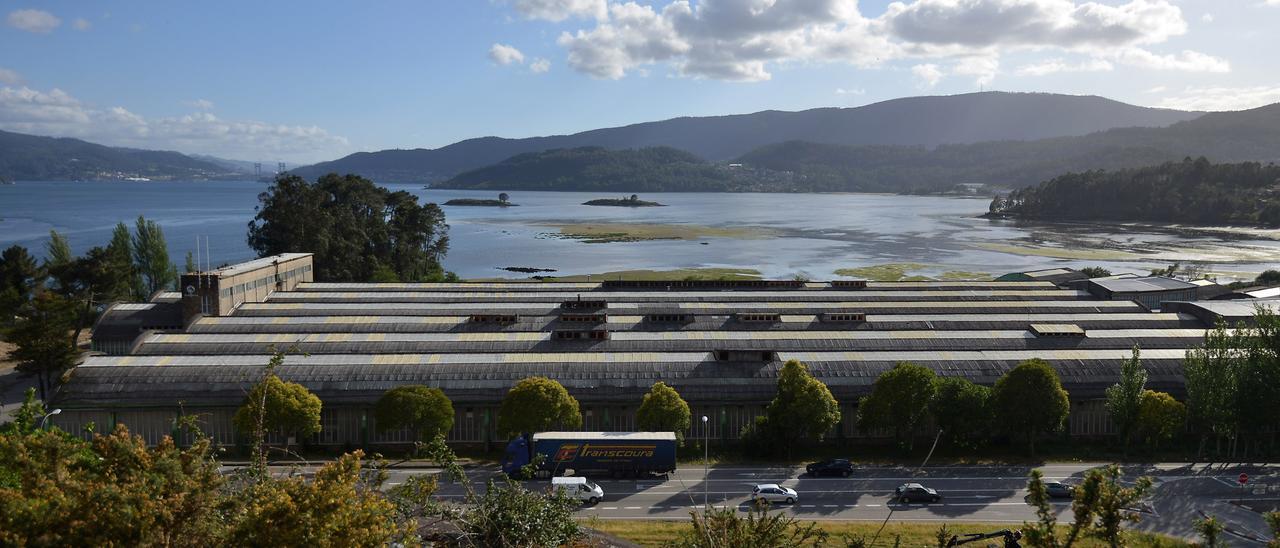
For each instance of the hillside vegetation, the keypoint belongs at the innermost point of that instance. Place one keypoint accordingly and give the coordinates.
(1190, 191)
(33, 158)
(594, 168)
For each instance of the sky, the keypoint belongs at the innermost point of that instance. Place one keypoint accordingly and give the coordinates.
(305, 81)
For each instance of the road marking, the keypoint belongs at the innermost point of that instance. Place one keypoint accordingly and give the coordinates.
(830, 505)
(609, 508)
(873, 506)
(631, 508)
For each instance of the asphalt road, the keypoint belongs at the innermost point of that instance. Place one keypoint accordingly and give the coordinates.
(970, 493)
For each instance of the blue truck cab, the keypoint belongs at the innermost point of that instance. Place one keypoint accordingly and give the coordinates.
(616, 454)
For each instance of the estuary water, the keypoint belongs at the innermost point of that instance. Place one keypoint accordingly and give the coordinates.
(820, 236)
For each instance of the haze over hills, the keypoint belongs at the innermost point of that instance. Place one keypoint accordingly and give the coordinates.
(925, 121)
(803, 166)
(34, 158)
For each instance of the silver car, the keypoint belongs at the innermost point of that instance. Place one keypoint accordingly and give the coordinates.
(773, 492)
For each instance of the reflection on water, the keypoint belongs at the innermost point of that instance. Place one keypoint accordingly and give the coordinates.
(808, 234)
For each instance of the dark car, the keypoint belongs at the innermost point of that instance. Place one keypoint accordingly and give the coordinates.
(1059, 490)
(833, 467)
(914, 492)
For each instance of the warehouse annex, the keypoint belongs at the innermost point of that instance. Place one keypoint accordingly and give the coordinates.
(719, 343)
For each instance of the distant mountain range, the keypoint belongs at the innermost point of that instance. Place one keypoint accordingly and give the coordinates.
(803, 166)
(918, 121)
(33, 158)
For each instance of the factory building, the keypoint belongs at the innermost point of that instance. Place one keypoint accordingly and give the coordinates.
(720, 344)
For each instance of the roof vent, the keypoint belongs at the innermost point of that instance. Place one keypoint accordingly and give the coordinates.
(848, 284)
(844, 317)
(1057, 330)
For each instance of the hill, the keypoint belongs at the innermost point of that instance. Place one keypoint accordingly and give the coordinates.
(1190, 191)
(1251, 135)
(34, 158)
(653, 169)
(924, 121)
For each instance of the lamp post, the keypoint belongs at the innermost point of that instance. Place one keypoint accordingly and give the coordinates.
(706, 456)
(47, 415)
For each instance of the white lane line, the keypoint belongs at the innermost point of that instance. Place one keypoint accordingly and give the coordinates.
(631, 508)
(608, 507)
(873, 506)
(808, 506)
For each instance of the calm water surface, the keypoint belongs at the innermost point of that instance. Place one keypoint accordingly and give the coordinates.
(811, 234)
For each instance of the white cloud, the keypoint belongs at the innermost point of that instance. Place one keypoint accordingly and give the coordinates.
(200, 104)
(540, 65)
(1208, 17)
(81, 24)
(851, 91)
(559, 10)
(1222, 98)
(30, 20)
(1186, 61)
(9, 77)
(1157, 89)
(928, 74)
(503, 54)
(57, 113)
(983, 68)
(1271, 2)
(1053, 66)
(743, 40)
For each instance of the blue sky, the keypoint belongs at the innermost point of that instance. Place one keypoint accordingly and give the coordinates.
(308, 81)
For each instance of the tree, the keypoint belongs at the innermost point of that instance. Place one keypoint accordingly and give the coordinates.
(20, 277)
(1044, 533)
(1209, 529)
(57, 251)
(424, 410)
(1095, 271)
(1273, 523)
(1029, 401)
(503, 197)
(127, 283)
(663, 410)
(715, 527)
(1112, 502)
(536, 404)
(1210, 374)
(40, 339)
(151, 257)
(353, 226)
(26, 419)
(1124, 399)
(803, 408)
(190, 265)
(274, 405)
(899, 400)
(1160, 417)
(962, 410)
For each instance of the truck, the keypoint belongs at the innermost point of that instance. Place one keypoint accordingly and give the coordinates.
(616, 454)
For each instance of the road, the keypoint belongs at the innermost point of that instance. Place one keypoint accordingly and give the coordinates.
(970, 493)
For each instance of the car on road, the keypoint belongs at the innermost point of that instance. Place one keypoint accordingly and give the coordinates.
(832, 467)
(1059, 490)
(773, 492)
(914, 492)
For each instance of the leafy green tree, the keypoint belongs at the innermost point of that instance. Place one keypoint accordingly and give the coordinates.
(354, 228)
(1257, 400)
(663, 410)
(26, 418)
(57, 251)
(962, 410)
(503, 197)
(1113, 502)
(1210, 375)
(1160, 417)
(20, 277)
(40, 339)
(537, 404)
(1124, 399)
(151, 257)
(1044, 532)
(899, 401)
(190, 265)
(1029, 401)
(1209, 529)
(1095, 271)
(424, 410)
(803, 408)
(758, 527)
(274, 405)
(1273, 523)
(126, 281)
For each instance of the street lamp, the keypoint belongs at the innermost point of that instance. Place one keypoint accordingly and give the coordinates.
(47, 415)
(706, 456)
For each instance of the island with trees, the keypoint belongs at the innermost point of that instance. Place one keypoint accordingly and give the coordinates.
(632, 201)
(1191, 191)
(503, 200)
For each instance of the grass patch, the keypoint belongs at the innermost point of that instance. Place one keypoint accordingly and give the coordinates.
(888, 272)
(597, 233)
(659, 275)
(914, 534)
(1061, 253)
(964, 275)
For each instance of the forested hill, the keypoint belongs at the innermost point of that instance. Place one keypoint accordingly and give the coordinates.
(925, 121)
(34, 158)
(654, 169)
(1190, 191)
(1251, 135)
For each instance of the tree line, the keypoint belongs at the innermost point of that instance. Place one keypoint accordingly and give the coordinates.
(44, 306)
(1190, 191)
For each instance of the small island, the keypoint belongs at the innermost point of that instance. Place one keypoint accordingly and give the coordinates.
(633, 201)
(502, 201)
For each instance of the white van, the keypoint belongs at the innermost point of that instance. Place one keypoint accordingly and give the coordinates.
(579, 488)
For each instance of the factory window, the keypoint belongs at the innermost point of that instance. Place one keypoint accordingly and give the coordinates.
(722, 355)
(493, 318)
(598, 334)
(756, 317)
(583, 318)
(844, 317)
(669, 318)
(582, 305)
(849, 284)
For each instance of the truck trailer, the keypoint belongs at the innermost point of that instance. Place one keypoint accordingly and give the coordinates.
(616, 454)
